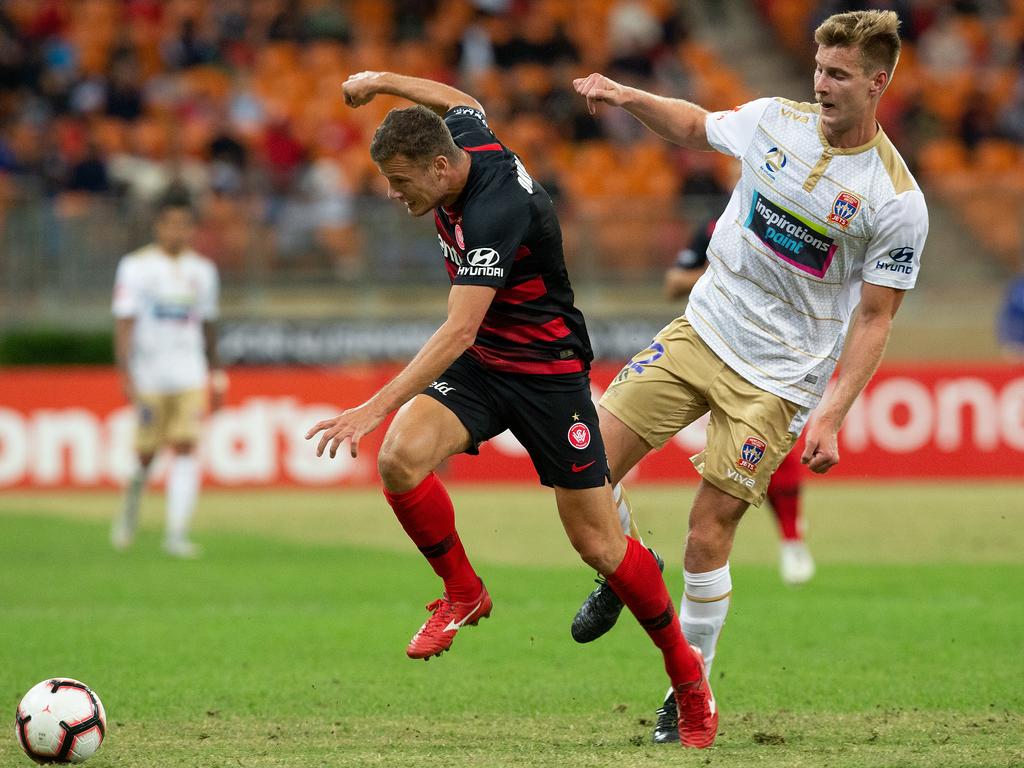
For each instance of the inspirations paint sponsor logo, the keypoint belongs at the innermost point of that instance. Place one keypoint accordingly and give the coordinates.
(793, 239)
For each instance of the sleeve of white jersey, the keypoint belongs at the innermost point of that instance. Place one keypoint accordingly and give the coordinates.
(893, 256)
(209, 307)
(126, 293)
(732, 132)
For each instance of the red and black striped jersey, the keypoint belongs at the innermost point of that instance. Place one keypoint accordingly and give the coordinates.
(502, 232)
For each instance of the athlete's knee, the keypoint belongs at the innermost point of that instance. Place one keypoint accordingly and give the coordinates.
(708, 541)
(600, 551)
(399, 468)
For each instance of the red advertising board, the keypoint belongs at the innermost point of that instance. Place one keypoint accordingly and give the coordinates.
(70, 427)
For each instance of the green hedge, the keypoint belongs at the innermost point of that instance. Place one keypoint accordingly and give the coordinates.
(56, 347)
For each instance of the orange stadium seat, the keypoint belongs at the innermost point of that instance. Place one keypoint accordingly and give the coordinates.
(996, 156)
(942, 156)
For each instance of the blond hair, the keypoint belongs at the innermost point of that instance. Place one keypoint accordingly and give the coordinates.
(876, 33)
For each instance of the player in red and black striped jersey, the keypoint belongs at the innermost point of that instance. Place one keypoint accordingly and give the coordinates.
(502, 232)
(512, 354)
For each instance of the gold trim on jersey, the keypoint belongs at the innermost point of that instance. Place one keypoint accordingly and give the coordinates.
(818, 170)
(791, 154)
(816, 395)
(869, 144)
(768, 332)
(758, 247)
(895, 166)
(752, 240)
(800, 106)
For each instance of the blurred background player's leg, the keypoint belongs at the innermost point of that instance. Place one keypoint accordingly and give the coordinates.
(150, 428)
(122, 533)
(183, 478)
(182, 494)
(796, 565)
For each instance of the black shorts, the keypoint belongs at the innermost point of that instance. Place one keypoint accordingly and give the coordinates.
(551, 415)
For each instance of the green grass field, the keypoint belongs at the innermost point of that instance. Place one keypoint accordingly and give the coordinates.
(284, 645)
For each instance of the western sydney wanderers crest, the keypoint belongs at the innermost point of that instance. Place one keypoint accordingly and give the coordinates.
(579, 435)
(751, 454)
(844, 208)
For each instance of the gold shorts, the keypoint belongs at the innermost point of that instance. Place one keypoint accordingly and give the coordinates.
(677, 380)
(170, 418)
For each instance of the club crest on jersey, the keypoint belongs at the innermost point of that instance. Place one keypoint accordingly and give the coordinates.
(579, 436)
(751, 454)
(844, 208)
(459, 239)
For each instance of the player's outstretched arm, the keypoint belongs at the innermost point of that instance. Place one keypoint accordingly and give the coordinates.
(865, 345)
(360, 89)
(218, 376)
(467, 305)
(124, 329)
(675, 120)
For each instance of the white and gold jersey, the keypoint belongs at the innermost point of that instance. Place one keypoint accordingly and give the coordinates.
(805, 225)
(169, 297)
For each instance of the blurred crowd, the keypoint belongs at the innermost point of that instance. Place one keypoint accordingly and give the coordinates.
(240, 101)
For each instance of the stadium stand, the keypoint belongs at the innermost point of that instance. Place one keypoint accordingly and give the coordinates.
(241, 101)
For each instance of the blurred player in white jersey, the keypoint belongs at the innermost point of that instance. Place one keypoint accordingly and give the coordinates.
(806, 269)
(165, 304)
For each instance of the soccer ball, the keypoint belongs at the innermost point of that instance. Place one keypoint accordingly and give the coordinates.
(60, 720)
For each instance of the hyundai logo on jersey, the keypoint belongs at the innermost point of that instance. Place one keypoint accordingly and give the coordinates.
(481, 264)
(793, 239)
(844, 208)
(900, 261)
(482, 257)
(902, 255)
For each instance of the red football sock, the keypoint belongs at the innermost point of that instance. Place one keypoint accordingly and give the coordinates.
(784, 496)
(427, 515)
(638, 582)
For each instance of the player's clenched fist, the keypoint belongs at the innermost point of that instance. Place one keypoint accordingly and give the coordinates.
(360, 88)
(596, 87)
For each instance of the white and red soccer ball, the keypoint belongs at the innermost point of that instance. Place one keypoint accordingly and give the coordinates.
(60, 720)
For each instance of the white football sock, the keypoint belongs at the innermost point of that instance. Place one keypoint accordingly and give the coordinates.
(132, 497)
(703, 609)
(625, 510)
(182, 492)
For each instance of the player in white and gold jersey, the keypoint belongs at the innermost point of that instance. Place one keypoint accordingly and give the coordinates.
(807, 267)
(165, 305)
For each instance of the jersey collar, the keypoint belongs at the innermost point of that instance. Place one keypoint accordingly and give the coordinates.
(871, 144)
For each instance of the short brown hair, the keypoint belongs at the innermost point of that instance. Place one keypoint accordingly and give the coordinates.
(876, 33)
(414, 132)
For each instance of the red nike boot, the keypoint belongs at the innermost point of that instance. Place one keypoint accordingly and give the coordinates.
(437, 633)
(698, 714)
